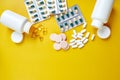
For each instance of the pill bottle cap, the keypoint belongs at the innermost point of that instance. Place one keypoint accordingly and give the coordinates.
(17, 37)
(104, 32)
(97, 23)
(27, 27)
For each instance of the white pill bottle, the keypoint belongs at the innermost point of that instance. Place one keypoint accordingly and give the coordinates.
(16, 22)
(100, 16)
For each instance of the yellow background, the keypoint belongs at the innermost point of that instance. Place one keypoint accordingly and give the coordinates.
(35, 60)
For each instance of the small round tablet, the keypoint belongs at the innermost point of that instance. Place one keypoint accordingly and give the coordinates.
(104, 32)
(17, 37)
(57, 46)
(53, 36)
(58, 38)
(63, 36)
(63, 44)
(67, 47)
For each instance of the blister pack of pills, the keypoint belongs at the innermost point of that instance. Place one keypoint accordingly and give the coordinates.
(37, 10)
(72, 18)
(56, 6)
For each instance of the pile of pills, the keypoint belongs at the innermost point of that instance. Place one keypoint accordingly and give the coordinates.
(60, 41)
(80, 39)
(72, 18)
(38, 31)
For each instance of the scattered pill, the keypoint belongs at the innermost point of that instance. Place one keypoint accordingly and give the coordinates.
(63, 44)
(72, 40)
(83, 31)
(85, 41)
(93, 37)
(74, 36)
(81, 46)
(87, 35)
(74, 32)
(63, 36)
(84, 25)
(60, 41)
(57, 46)
(74, 46)
(53, 36)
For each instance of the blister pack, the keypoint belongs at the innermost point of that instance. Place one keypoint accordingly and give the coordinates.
(37, 10)
(72, 18)
(56, 6)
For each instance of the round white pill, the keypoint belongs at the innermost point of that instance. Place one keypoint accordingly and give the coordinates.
(64, 44)
(104, 32)
(63, 36)
(57, 46)
(67, 47)
(53, 36)
(17, 37)
(58, 38)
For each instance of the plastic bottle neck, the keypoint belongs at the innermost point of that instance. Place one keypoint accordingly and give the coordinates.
(97, 23)
(27, 27)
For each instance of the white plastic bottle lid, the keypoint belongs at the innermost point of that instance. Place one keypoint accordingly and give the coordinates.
(104, 32)
(17, 37)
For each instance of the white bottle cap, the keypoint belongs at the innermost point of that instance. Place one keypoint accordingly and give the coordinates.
(17, 37)
(97, 23)
(104, 32)
(27, 27)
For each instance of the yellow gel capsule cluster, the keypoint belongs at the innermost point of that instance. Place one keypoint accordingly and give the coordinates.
(38, 31)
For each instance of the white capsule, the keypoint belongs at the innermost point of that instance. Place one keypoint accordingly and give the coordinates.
(80, 37)
(83, 31)
(74, 46)
(74, 32)
(81, 46)
(93, 37)
(85, 41)
(80, 34)
(84, 25)
(87, 35)
(72, 40)
(71, 44)
(79, 43)
(74, 36)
